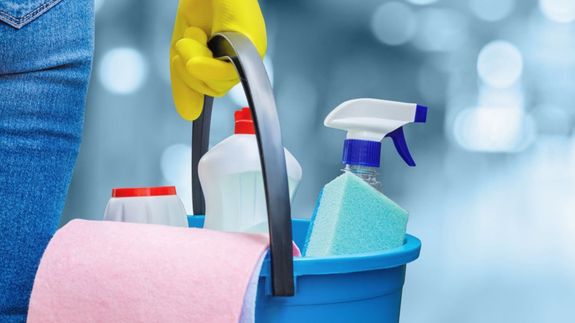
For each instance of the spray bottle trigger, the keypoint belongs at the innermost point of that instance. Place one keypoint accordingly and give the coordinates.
(400, 144)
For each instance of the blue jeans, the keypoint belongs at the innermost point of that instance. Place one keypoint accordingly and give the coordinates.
(44, 71)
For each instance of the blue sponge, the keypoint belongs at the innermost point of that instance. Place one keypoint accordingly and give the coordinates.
(352, 217)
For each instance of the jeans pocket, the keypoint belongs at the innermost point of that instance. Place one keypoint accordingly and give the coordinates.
(18, 13)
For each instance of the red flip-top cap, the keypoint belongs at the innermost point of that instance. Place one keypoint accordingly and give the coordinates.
(144, 191)
(244, 123)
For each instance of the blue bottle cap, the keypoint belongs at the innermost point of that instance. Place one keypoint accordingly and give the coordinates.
(361, 152)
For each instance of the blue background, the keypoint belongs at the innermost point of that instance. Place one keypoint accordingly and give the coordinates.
(492, 196)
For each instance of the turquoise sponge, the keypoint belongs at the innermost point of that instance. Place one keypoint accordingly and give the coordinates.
(352, 217)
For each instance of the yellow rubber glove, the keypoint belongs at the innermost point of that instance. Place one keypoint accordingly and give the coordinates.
(194, 71)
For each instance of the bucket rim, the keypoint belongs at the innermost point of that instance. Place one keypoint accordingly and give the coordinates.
(306, 266)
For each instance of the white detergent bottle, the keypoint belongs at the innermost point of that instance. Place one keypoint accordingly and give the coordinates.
(231, 178)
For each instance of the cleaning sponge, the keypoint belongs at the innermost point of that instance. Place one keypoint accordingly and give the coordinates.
(352, 217)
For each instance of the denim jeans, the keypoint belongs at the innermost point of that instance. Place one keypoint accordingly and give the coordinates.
(46, 49)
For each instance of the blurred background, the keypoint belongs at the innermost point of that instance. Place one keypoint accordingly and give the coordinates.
(493, 194)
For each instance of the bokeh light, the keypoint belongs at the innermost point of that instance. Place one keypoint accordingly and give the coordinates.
(562, 11)
(499, 64)
(421, 2)
(123, 70)
(493, 129)
(176, 170)
(176, 162)
(492, 10)
(512, 97)
(393, 23)
(440, 30)
(98, 5)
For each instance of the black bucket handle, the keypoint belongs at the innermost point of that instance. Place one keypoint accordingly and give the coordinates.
(241, 52)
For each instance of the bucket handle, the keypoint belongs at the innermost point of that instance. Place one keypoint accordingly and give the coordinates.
(238, 49)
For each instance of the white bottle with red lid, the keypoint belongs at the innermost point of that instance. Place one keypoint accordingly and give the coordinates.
(153, 205)
(231, 178)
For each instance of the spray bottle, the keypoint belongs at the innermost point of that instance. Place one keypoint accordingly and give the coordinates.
(368, 122)
(352, 215)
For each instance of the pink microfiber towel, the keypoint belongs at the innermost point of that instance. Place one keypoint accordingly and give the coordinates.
(126, 272)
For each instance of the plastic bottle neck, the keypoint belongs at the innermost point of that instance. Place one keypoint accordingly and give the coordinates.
(366, 173)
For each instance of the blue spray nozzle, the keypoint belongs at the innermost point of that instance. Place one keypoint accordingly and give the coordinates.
(420, 113)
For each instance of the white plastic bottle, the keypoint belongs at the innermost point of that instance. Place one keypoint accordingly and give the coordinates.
(152, 205)
(232, 182)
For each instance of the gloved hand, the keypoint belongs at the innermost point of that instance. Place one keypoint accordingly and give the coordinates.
(194, 71)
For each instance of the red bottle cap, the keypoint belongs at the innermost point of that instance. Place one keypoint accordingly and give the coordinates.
(244, 123)
(144, 191)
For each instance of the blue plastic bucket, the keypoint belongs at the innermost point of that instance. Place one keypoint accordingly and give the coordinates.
(360, 288)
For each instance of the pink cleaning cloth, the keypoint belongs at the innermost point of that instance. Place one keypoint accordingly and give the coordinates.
(99, 271)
